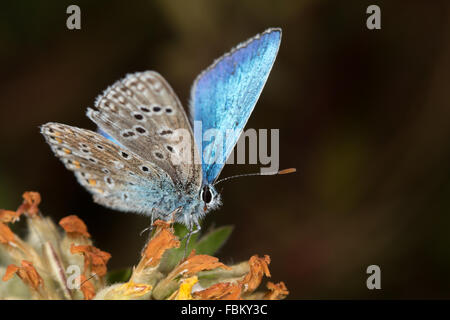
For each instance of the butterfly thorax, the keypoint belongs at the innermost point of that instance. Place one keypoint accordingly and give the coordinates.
(189, 207)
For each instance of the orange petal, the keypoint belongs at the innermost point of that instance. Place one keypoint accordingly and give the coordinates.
(276, 291)
(30, 204)
(10, 271)
(196, 263)
(95, 260)
(220, 291)
(6, 235)
(7, 216)
(161, 241)
(258, 268)
(27, 273)
(87, 288)
(74, 226)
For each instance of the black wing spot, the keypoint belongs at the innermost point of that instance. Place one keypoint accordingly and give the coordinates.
(128, 134)
(140, 130)
(165, 132)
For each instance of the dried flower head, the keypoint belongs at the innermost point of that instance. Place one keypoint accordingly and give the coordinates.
(63, 264)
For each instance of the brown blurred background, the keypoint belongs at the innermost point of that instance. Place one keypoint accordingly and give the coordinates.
(363, 115)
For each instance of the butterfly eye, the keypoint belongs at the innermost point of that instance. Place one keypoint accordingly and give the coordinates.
(206, 195)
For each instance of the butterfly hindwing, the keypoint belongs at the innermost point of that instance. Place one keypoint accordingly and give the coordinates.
(224, 95)
(117, 178)
(142, 113)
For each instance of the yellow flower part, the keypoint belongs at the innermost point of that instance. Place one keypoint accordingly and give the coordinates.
(131, 290)
(184, 293)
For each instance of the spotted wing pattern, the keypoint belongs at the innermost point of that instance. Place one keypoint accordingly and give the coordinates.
(142, 113)
(117, 178)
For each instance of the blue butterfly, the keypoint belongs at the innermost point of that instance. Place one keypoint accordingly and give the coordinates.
(145, 158)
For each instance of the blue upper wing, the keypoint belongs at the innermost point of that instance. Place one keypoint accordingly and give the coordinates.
(224, 95)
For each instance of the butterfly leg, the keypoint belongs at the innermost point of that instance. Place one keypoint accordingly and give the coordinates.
(190, 233)
(150, 228)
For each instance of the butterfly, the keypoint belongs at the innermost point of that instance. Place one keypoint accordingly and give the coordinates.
(145, 157)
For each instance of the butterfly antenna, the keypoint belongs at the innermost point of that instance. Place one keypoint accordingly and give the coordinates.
(285, 171)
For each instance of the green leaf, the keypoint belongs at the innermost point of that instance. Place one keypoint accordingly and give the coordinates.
(120, 275)
(211, 242)
(180, 230)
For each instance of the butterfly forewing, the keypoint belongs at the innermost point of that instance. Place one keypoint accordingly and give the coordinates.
(117, 178)
(224, 95)
(143, 114)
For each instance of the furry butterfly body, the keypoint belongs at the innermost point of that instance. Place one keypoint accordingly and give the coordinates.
(145, 157)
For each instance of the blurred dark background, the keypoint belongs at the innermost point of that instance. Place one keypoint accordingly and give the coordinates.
(363, 115)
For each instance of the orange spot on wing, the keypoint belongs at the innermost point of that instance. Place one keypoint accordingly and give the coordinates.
(67, 151)
(77, 164)
(92, 182)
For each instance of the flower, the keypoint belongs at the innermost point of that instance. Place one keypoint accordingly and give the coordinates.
(163, 240)
(277, 291)
(87, 288)
(258, 268)
(196, 263)
(6, 235)
(7, 216)
(184, 291)
(63, 264)
(220, 291)
(30, 204)
(74, 226)
(29, 276)
(95, 260)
